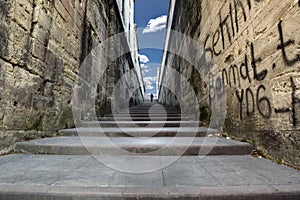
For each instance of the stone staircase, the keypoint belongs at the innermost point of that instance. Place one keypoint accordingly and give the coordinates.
(137, 138)
(149, 153)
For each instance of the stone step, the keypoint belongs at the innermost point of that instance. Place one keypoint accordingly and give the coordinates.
(145, 118)
(139, 132)
(141, 124)
(162, 146)
(152, 111)
(147, 115)
(51, 177)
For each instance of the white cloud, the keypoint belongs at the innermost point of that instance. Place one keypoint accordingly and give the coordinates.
(156, 24)
(149, 81)
(144, 59)
(145, 68)
(146, 71)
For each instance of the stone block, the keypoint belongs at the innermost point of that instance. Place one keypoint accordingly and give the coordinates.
(21, 13)
(64, 13)
(36, 66)
(69, 7)
(5, 7)
(38, 49)
(56, 33)
(40, 34)
(4, 39)
(43, 17)
(15, 41)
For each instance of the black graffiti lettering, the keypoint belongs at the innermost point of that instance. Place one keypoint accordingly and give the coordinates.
(250, 93)
(257, 76)
(283, 46)
(215, 42)
(224, 72)
(231, 19)
(299, 3)
(259, 101)
(240, 98)
(234, 74)
(262, 103)
(249, 4)
(236, 16)
(245, 73)
(222, 24)
(282, 110)
(295, 101)
(238, 3)
(228, 26)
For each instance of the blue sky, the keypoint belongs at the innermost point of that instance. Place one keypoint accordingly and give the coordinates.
(151, 16)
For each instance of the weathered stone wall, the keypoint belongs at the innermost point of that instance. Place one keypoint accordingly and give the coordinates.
(42, 44)
(255, 45)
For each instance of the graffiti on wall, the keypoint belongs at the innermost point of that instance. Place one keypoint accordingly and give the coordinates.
(229, 27)
(252, 99)
(283, 45)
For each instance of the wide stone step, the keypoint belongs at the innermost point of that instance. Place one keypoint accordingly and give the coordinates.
(147, 115)
(50, 177)
(162, 146)
(146, 118)
(147, 109)
(139, 132)
(141, 124)
(152, 111)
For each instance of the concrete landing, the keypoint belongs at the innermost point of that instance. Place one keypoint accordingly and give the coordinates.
(139, 132)
(47, 177)
(163, 146)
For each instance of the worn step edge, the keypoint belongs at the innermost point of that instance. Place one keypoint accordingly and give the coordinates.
(46, 192)
(153, 124)
(144, 119)
(146, 115)
(87, 146)
(139, 132)
(147, 112)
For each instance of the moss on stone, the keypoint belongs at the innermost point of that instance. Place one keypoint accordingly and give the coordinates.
(36, 125)
(65, 119)
(205, 114)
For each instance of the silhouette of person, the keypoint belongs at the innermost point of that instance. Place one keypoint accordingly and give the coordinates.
(151, 96)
